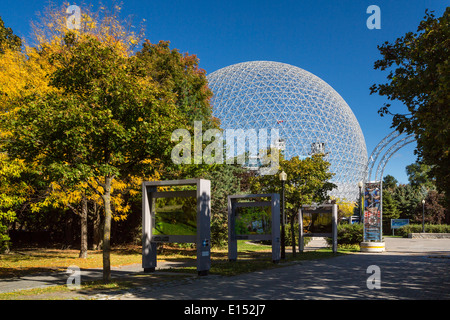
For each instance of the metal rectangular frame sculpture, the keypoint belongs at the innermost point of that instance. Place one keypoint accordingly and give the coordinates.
(333, 234)
(203, 237)
(273, 203)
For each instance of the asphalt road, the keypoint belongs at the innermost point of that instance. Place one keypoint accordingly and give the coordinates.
(417, 269)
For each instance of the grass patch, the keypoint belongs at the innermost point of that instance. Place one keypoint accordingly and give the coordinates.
(31, 294)
(348, 248)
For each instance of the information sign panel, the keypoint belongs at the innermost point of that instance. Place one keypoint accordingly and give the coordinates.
(398, 223)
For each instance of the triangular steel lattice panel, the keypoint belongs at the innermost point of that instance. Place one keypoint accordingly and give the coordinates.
(261, 94)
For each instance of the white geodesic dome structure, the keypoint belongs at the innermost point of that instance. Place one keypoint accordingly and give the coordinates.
(307, 112)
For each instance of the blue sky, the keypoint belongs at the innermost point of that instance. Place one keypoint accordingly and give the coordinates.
(328, 38)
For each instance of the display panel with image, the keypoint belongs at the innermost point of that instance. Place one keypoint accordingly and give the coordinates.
(253, 220)
(175, 216)
(317, 221)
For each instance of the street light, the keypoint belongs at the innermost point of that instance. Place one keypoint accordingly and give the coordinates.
(283, 178)
(423, 215)
(360, 186)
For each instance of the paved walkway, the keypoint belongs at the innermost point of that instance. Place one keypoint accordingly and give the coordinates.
(409, 269)
(344, 277)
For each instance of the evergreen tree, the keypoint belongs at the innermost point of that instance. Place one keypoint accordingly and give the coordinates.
(390, 210)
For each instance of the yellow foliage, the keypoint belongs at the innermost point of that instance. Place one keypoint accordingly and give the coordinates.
(12, 191)
(346, 208)
(25, 73)
(104, 25)
(60, 198)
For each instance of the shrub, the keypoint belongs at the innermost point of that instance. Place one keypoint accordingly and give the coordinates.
(417, 228)
(348, 234)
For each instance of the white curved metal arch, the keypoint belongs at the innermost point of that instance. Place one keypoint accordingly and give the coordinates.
(377, 151)
(387, 160)
(389, 153)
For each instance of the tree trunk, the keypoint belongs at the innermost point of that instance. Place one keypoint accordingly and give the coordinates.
(293, 235)
(98, 229)
(84, 229)
(107, 231)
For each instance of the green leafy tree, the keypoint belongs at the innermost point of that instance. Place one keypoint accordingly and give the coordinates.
(308, 181)
(389, 182)
(419, 176)
(419, 69)
(13, 192)
(180, 74)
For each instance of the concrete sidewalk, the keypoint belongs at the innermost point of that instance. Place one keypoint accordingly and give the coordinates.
(433, 247)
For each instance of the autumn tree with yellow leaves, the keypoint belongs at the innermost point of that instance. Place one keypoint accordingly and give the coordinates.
(25, 73)
(107, 115)
(13, 191)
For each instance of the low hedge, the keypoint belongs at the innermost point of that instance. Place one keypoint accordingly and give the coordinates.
(349, 234)
(417, 228)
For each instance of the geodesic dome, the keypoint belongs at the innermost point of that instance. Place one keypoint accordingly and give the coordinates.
(309, 114)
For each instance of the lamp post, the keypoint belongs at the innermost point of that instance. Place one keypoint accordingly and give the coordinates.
(423, 215)
(360, 185)
(283, 178)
